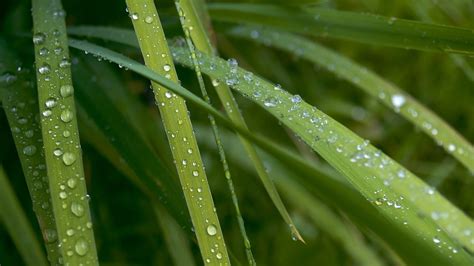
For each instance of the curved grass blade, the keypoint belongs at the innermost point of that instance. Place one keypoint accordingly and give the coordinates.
(19, 101)
(372, 84)
(18, 226)
(190, 24)
(410, 221)
(60, 135)
(181, 138)
(365, 28)
(322, 216)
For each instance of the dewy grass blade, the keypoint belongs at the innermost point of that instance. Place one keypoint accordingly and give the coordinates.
(187, 25)
(20, 103)
(17, 225)
(178, 127)
(398, 194)
(352, 26)
(323, 217)
(372, 84)
(60, 135)
(199, 37)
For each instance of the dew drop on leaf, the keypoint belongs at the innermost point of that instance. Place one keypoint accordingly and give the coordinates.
(211, 230)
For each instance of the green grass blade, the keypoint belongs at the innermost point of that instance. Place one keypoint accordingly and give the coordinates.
(60, 135)
(407, 207)
(372, 84)
(178, 127)
(421, 8)
(352, 26)
(322, 216)
(190, 24)
(20, 102)
(202, 42)
(18, 226)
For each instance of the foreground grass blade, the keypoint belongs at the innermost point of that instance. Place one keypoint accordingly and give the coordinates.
(20, 103)
(198, 34)
(399, 195)
(372, 84)
(178, 128)
(188, 25)
(60, 135)
(16, 223)
(358, 27)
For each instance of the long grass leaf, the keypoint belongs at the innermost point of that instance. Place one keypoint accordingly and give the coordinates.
(178, 127)
(372, 84)
(322, 216)
(202, 42)
(60, 135)
(20, 104)
(188, 23)
(12, 215)
(352, 26)
(400, 196)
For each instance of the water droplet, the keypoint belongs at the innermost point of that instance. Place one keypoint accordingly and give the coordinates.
(29, 133)
(62, 195)
(66, 133)
(211, 230)
(270, 102)
(71, 182)
(50, 103)
(47, 113)
(66, 91)
(39, 38)
(149, 19)
(57, 152)
(77, 209)
(67, 116)
(398, 100)
(219, 255)
(451, 147)
(70, 232)
(215, 82)
(436, 240)
(195, 173)
(43, 51)
(190, 151)
(69, 158)
(168, 95)
(44, 69)
(166, 67)
(50, 235)
(134, 16)
(64, 63)
(296, 99)
(29, 150)
(81, 247)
